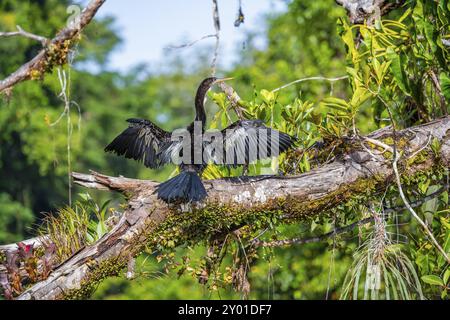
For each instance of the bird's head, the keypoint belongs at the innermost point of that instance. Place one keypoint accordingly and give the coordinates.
(218, 80)
(209, 82)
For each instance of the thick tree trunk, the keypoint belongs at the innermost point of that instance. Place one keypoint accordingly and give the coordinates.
(233, 203)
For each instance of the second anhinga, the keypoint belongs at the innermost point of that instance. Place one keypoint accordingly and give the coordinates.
(245, 140)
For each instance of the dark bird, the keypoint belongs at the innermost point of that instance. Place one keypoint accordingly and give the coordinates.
(241, 143)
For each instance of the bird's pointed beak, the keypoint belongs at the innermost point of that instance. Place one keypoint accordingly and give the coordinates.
(223, 80)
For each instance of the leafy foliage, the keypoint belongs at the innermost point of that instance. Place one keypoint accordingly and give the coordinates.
(398, 65)
(14, 218)
(75, 227)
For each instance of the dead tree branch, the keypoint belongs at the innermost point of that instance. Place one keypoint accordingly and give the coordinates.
(231, 204)
(45, 59)
(216, 20)
(190, 44)
(318, 78)
(23, 33)
(233, 97)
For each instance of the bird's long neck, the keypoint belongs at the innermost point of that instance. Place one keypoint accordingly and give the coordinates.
(200, 114)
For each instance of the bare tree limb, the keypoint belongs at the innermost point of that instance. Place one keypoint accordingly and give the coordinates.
(216, 20)
(216, 35)
(23, 33)
(231, 204)
(234, 99)
(44, 61)
(190, 44)
(320, 78)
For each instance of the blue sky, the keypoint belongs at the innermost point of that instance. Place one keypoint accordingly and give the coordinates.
(149, 26)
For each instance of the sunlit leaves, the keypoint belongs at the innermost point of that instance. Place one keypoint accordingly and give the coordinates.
(445, 86)
(267, 96)
(397, 68)
(433, 280)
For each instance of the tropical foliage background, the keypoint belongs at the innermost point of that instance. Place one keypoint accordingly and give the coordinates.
(396, 68)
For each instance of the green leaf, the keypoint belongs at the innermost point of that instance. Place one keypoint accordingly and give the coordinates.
(445, 223)
(224, 119)
(218, 98)
(85, 196)
(377, 68)
(444, 197)
(337, 104)
(446, 247)
(423, 186)
(430, 35)
(262, 114)
(313, 226)
(268, 96)
(405, 15)
(360, 96)
(347, 37)
(435, 146)
(446, 275)
(397, 70)
(100, 230)
(433, 280)
(445, 86)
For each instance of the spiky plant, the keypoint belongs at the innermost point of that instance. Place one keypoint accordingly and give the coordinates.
(75, 227)
(381, 270)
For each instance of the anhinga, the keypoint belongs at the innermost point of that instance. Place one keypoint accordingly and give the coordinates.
(145, 141)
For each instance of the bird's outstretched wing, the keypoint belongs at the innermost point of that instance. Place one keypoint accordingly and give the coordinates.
(246, 141)
(141, 141)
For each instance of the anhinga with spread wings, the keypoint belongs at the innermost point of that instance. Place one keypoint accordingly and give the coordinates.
(241, 144)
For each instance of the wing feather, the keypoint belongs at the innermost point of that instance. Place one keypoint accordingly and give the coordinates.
(141, 141)
(246, 141)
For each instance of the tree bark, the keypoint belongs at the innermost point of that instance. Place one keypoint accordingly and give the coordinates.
(44, 61)
(233, 203)
(359, 11)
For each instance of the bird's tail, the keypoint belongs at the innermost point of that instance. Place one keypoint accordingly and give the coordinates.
(185, 187)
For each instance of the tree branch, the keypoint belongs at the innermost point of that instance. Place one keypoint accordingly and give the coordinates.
(370, 10)
(216, 20)
(190, 44)
(231, 204)
(23, 33)
(234, 99)
(320, 78)
(44, 61)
